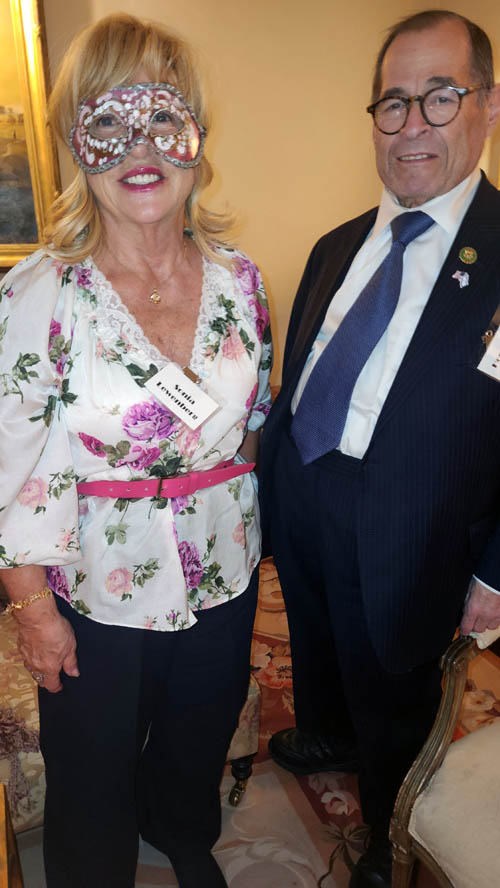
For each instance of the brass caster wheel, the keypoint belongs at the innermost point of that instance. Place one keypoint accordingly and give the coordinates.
(237, 792)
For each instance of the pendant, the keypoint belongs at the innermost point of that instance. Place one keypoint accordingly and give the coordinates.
(155, 297)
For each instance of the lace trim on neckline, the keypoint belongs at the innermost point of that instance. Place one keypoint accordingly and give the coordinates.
(113, 316)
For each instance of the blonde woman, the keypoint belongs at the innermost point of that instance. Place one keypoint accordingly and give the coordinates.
(135, 365)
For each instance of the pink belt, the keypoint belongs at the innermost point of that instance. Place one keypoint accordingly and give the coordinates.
(181, 485)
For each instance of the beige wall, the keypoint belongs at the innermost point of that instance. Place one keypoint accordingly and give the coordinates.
(291, 142)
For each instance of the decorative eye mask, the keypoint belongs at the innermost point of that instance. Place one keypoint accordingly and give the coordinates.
(108, 127)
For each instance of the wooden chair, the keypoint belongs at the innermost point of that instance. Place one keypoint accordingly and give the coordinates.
(447, 813)
(10, 868)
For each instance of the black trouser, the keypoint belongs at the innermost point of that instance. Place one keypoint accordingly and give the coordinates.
(137, 744)
(340, 687)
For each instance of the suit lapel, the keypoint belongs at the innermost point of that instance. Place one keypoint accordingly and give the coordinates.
(329, 270)
(327, 280)
(448, 301)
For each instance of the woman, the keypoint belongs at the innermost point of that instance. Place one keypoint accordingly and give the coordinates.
(142, 652)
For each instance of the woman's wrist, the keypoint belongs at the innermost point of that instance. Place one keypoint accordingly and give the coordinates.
(16, 606)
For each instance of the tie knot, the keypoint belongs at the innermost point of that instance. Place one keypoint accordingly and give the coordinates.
(408, 226)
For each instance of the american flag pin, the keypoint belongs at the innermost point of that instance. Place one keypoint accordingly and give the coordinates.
(462, 277)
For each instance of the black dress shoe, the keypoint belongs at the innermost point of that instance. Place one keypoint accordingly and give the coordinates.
(303, 753)
(374, 867)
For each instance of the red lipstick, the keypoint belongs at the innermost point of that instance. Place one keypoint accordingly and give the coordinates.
(142, 178)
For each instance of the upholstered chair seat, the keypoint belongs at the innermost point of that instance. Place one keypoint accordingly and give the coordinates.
(457, 818)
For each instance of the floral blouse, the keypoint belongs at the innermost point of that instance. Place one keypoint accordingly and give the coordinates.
(73, 363)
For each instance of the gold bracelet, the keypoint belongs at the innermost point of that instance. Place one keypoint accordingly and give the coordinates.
(18, 605)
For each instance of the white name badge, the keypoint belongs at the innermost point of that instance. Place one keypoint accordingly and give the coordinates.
(490, 362)
(184, 398)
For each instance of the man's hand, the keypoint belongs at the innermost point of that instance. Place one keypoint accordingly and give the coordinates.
(47, 644)
(481, 609)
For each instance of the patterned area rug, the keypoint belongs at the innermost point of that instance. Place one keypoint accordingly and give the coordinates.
(288, 832)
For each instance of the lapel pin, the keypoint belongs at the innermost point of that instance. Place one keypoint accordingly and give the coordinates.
(468, 255)
(462, 277)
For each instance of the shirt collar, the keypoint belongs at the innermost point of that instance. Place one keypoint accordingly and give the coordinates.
(447, 210)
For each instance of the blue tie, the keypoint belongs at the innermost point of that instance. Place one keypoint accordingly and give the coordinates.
(321, 413)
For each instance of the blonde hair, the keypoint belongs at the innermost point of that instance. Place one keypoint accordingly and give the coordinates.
(105, 55)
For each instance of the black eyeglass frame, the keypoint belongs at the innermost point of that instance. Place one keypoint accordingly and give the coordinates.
(461, 91)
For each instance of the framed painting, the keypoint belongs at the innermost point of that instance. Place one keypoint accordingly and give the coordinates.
(29, 175)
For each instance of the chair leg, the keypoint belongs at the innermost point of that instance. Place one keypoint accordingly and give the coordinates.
(241, 769)
(404, 870)
(10, 866)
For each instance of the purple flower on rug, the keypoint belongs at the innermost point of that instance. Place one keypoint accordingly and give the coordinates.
(260, 316)
(83, 277)
(191, 564)
(248, 276)
(55, 329)
(57, 581)
(149, 420)
(139, 457)
(92, 444)
(179, 503)
(16, 737)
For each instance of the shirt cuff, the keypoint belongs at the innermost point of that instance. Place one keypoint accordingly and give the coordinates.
(496, 591)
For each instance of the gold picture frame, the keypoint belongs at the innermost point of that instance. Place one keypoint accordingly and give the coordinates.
(32, 141)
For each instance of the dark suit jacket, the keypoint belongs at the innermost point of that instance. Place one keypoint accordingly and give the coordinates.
(430, 504)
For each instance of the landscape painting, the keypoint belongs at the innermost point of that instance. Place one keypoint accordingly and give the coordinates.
(17, 207)
(28, 169)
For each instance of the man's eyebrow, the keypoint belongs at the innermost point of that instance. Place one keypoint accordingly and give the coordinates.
(393, 91)
(431, 82)
(442, 81)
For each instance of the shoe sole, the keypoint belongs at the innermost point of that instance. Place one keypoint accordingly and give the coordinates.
(350, 766)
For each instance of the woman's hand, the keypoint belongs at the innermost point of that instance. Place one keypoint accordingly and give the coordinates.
(46, 640)
(47, 644)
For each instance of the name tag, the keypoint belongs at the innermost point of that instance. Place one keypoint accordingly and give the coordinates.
(490, 362)
(182, 396)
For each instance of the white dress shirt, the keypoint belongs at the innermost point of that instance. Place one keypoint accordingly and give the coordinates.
(422, 263)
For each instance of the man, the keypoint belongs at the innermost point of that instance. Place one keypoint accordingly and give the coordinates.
(381, 456)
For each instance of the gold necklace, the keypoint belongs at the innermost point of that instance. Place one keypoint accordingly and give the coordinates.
(155, 297)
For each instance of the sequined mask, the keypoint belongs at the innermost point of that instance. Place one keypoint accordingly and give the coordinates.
(108, 127)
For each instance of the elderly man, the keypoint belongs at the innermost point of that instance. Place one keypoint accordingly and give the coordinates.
(381, 456)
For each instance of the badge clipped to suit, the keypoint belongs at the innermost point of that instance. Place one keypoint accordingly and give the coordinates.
(490, 362)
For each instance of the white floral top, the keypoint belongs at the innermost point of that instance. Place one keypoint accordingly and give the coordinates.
(73, 362)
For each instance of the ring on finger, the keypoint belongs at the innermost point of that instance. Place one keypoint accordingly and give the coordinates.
(39, 677)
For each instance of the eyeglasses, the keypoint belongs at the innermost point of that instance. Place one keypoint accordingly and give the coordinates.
(439, 106)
